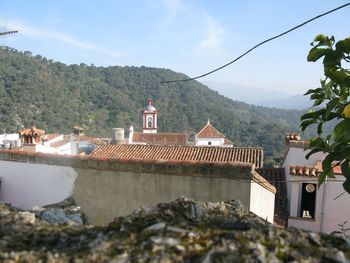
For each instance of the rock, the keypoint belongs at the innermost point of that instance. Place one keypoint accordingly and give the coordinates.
(27, 217)
(156, 227)
(65, 212)
(165, 241)
(179, 231)
(59, 216)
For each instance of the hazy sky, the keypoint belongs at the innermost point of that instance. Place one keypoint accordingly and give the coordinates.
(188, 36)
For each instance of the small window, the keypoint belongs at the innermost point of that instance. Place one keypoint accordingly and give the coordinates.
(308, 200)
(209, 143)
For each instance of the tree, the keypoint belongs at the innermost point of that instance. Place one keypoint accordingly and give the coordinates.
(332, 103)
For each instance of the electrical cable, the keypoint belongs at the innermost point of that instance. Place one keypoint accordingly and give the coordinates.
(261, 43)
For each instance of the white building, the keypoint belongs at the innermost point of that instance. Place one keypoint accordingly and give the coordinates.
(150, 124)
(322, 209)
(35, 140)
(209, 136)
(11, 140)
(150, 135)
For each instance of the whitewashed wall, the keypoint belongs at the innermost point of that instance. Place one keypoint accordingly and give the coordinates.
(214, 141)
(262, 201)
(25, 185)
(329, 213)
(296, 156)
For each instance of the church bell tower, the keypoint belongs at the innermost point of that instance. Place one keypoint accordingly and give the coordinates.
(150, 124)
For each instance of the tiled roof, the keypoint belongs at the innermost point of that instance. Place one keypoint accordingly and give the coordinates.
(304, 170)
(181, 153)
(58, 143)
(84, 138)
(78, 128)
(50, 136)
(32, 131)
(276, 177)
(160, 138)
(209, 131)
(228, 142)
(311, 170)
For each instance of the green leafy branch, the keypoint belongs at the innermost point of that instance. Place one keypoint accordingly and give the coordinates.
(332, 102)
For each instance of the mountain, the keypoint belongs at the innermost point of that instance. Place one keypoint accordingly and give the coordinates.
(259, 96)
(35, 91)
(292, 102)
(244, 93)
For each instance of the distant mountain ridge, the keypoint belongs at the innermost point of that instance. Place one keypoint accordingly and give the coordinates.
(292, 102)
(55, 97)
(260, 97)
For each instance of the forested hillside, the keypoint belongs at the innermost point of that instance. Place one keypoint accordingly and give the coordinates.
(35, 91)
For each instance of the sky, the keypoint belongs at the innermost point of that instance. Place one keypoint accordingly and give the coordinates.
(187, 36)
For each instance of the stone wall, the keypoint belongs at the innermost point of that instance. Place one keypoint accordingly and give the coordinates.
(106, 188)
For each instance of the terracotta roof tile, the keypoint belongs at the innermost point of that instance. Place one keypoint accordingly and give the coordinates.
(209, 131)
(160, 138)
(181, 153)
(228, 142)
(78, 128)
(312, 170)
(82, 138)
(58, 143)
(277, 178)
(32, 131)
(304, 170)
(50, 136)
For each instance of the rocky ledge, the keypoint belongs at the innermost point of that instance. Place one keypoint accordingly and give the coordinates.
(178, 231)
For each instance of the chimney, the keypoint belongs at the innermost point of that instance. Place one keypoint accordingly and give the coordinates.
(292, 137)
(117, 136)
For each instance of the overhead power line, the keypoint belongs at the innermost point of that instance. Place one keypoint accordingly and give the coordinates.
(261, 43)
(8, 32)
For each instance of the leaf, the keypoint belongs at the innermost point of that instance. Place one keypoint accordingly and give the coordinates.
(343, 45)
(318, 102)
(306, 123)
(316, 53)
(319, 128)
(309, 91)
(345, 168)
(327, 163)
(330, 106)
(321, 178)
(346, 185)
(342, 131)
(311, 115)
(312, 152)
(332, 58)
(323, 40)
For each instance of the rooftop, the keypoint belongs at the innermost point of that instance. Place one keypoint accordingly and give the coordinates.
(32, 131)
(181, 153)
(312, 170)
(160, 138)
(209, 131)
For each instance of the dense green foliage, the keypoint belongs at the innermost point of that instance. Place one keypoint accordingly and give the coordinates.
(53, 96)
(335, 91)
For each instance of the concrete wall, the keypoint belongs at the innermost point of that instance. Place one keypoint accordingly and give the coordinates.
(107, 188)
(330, 211)
(106, 194)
